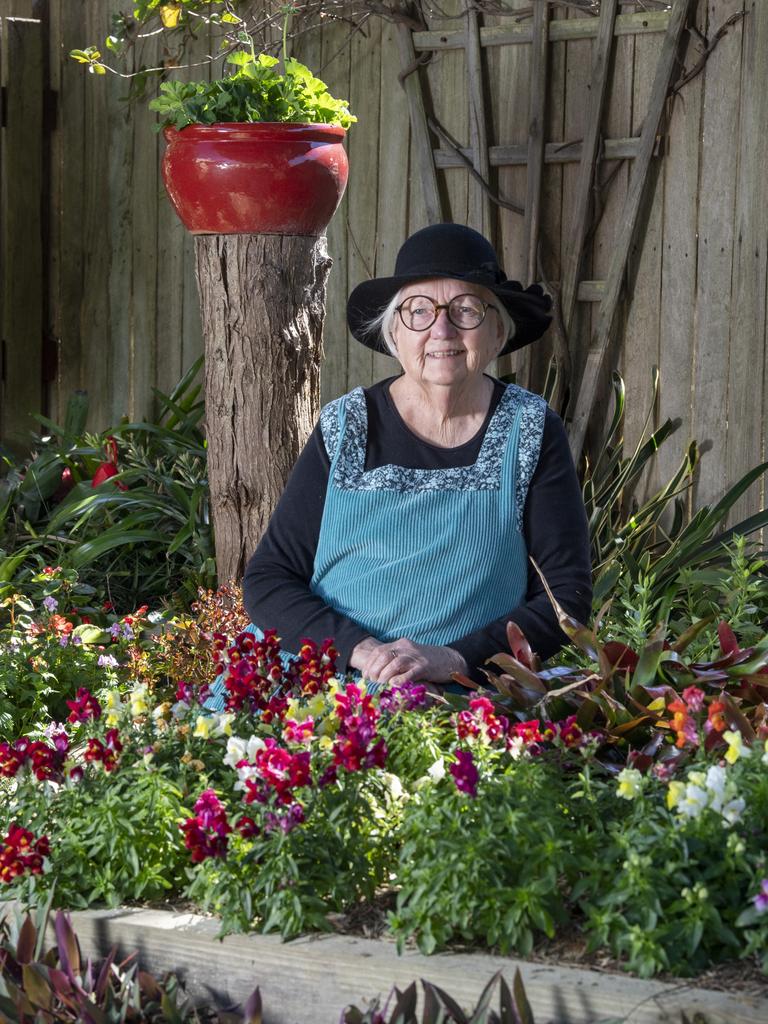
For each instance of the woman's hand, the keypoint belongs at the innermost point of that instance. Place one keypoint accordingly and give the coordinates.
(399, 660)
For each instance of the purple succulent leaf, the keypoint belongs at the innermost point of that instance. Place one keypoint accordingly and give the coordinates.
(252, 1009)
(25, 945)
(69, 950)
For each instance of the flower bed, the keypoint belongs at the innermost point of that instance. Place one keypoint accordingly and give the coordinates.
(627, 802)
(310, 980)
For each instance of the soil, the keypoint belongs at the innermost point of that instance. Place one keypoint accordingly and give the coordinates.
(369, 920)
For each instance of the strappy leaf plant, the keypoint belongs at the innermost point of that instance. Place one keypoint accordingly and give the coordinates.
(136, 526)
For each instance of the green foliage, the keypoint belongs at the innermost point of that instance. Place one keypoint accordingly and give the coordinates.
(653, 543)
(116, 836)
(143, 534)
(255, 91)
(484, 870)
(288, 883)
(494, 831)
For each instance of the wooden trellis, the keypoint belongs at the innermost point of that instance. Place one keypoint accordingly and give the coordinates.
(588, 152)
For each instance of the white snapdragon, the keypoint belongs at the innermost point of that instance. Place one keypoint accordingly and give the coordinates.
(713, 791)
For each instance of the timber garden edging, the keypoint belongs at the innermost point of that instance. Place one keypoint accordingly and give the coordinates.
(310, 980)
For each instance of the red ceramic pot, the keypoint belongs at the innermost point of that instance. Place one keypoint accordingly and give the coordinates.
(264, 178)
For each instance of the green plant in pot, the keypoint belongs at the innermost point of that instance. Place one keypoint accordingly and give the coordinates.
(256, 151)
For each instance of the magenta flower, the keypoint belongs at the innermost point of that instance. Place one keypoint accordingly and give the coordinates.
(83, 707)
(464, 773)
(761, 900)
(403, 697)
(694, 698)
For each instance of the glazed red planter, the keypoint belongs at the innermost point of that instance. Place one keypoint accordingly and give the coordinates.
(264, 178)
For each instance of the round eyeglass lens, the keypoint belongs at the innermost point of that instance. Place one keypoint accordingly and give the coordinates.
(419, 312)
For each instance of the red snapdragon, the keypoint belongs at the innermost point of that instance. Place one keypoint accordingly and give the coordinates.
(21, 853)
(107, 752)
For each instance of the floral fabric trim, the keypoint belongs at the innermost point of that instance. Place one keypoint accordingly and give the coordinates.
(532, 416)
(485, 474)
(329, 426)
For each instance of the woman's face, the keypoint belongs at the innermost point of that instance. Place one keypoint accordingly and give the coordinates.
(446, 355)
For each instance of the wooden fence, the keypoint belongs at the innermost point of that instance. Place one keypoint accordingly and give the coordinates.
(120, 309)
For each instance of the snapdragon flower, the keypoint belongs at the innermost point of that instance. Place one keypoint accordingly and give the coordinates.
(630, 783)
(714, 791)
(736, 746)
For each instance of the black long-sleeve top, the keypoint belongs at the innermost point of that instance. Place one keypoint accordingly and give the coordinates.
(276, 583)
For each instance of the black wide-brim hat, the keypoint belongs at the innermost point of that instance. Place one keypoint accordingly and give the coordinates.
(458, 252)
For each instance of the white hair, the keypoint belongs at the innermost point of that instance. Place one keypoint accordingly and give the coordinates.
(383, 324)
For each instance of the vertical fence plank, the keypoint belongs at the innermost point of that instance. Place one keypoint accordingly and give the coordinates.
(714, 311)
(537, 106)
(680, 170)
(392, 196)
(746, 365)
(447, 75)
(363, 188)
(21, 252)
(551, 204)
(191, 324)
(479, 204)
(642, 329)
(145, 195)
(97, 341)
(578, 70)
(70, 152)
(509, 66)
(337, 342)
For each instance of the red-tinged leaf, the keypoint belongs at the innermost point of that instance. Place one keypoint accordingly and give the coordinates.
(642, 762)
(102, 982)
(621, 656)
(713, 677)
(25, 947)
(737, 719)
(509, 1014)
(519, 645)
(36, 985)
(690, 634)
(625, 727)
(69, 950)
(511, 666)
(577, 633)
(758, 659)
(252, 1010)
(523, 1006)
(585, 716)
(404, 1009)
(444, 1001)
(480, 1011)
(727, 638)
(90, 1011)
(465, 681)
(62, 986)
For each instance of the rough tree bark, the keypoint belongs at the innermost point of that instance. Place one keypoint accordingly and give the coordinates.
(262, 299)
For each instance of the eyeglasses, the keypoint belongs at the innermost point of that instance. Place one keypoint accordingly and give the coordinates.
(466, 312)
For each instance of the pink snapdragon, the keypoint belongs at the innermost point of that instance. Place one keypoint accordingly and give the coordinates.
(206, 834)
(464, 773)
(84, 706)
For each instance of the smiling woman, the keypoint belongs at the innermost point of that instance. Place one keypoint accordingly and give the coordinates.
(405, 528)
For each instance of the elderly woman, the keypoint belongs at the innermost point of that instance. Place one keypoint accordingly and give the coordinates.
(405, 529)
